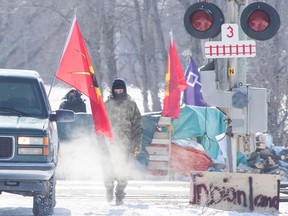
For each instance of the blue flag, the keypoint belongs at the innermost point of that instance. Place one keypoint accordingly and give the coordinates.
(193, 94)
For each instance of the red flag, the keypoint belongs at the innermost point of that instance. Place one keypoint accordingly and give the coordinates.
(76, 70)
(175, 83)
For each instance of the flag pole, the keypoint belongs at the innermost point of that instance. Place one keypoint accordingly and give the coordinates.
(54, 76)
(52, 84)
(171, 36)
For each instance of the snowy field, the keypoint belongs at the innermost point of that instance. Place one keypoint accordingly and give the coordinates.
(144, 198)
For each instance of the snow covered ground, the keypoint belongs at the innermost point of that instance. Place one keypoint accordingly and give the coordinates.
(144, 198)
(83, 193)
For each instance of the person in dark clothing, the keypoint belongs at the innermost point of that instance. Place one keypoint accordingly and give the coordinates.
(73, 101)
(126, 125)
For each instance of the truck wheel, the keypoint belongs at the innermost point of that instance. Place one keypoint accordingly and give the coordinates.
(44, 203)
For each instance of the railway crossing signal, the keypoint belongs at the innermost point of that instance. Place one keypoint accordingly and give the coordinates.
(203, 20)
(259, 20)
(246, 107)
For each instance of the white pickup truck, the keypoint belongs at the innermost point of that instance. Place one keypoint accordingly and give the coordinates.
(29, 141)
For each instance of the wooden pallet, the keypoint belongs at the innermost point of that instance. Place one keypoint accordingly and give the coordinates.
(160, 149)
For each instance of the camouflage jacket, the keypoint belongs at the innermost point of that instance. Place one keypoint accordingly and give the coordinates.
(125, 120)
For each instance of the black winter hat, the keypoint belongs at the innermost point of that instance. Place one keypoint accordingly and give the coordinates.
(119, 84)
(75, 92)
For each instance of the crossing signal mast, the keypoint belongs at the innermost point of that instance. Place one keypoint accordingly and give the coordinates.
(259, 20)
(246, 106)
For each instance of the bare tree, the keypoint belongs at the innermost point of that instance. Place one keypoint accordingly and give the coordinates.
(142, 53)
(108, 21)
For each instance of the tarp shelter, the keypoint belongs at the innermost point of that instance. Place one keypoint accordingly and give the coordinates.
(202, 123)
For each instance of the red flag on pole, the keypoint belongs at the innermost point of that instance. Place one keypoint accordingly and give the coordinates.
(175, 83)
(76, 70)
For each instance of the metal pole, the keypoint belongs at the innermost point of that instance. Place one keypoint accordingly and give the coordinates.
(232, 62)
(239, 78)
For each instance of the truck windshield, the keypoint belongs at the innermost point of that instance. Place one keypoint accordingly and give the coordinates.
(21, 97)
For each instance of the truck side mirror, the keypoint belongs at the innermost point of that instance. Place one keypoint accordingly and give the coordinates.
(62, 115)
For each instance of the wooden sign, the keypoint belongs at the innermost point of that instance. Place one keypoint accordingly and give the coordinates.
(235, 191)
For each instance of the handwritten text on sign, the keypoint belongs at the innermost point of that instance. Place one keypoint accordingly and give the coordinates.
(230, 46)
(235, 191)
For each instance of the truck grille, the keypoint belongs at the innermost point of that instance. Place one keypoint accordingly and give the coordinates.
(6, 147)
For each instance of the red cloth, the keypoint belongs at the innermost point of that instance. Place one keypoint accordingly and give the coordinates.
(184, 160)
(175, 83)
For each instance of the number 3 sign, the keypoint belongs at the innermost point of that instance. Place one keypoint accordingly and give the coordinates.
(230, 32)
(230, 46)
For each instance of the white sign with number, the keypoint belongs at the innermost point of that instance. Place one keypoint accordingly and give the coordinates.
(230, 46)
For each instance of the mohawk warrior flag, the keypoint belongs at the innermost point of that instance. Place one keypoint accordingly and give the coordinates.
(175, 83)
(193, 93)
(76, 70)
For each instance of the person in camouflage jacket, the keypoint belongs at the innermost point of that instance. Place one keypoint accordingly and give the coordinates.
(125, 121)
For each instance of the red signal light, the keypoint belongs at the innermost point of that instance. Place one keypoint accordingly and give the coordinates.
(260, 21)
(203, 20)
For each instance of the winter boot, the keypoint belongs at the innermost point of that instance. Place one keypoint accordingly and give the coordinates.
(109, 194)
(119, 198)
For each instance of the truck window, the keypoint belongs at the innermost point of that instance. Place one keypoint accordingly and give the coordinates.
(21, 95)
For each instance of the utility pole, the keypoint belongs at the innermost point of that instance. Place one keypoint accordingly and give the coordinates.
(238, 78)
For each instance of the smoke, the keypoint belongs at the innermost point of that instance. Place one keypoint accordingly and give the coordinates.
(117, 163)
(82, 158)
(79, 160)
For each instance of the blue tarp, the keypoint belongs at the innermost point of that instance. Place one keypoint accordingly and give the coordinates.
(201, 122)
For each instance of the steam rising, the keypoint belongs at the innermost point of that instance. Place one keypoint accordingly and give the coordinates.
(79, 160)
(82, 158)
